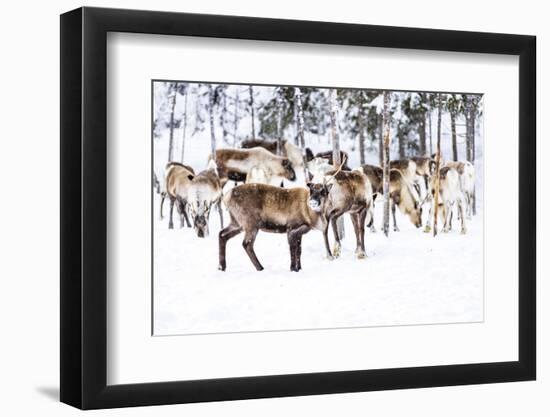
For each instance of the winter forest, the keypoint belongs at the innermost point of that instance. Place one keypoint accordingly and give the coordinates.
(391, 183)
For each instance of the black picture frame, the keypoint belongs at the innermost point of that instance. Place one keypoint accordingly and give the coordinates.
(84, 207)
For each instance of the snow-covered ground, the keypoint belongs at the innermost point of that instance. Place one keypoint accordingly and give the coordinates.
(408, 278)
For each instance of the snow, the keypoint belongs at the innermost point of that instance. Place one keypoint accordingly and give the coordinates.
(408, 278)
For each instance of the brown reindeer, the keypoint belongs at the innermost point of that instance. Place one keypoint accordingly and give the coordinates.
(255, 207)
(425, 167)
(234, 164)
(402, 193)
(351, 192)
(204, 191)
(177, 178)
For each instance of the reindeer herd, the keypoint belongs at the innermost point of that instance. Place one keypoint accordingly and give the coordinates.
(263, 204)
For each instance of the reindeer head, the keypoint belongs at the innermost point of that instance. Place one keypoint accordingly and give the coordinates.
(288, 169)
(200, 212)
(318, 194)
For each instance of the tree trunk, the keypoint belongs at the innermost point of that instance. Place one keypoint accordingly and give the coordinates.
(386, 161)
(437, 165)
(430, 127)
(473, 116)
(300, 118)
(171, 141)
(223, 115)
(401, 143)
(361, 127)
(236, 118)
(453, 135)
(279, 121)
(467, 115)
(380, 140)
(335, 148)
(184, 129)
(251, 93)
(211, 111)
(422, 133)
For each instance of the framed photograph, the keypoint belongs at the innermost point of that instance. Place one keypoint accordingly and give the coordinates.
(258, 208)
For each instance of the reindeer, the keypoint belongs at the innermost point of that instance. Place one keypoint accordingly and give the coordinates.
(402, 193)
(255, 207)
(204, 191)
(350, 191)
(234, 164)
(425, 168)
(177, 178)
(317, 168)
(449, 193)
(466, 173)
(328, 156)
(290, 151)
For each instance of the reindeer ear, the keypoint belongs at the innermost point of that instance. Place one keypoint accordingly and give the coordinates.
(309, 185)
(328, 187)
(309, 155)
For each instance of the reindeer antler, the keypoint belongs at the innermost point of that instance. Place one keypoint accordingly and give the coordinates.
(337, 171)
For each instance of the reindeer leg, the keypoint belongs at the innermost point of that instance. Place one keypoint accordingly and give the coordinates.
(362, 217)
(248, 245)
(463, 221)
(162, 198)
(337, 248)
(185, 215)
(325, 238)
(171, 221)
(295, 243)
(220, 212)
(395, 227)
(292, 245)
(359, 233)
(229, 232)
(428, 227)
(180, 208)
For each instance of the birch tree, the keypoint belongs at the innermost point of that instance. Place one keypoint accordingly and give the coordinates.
(437, 165)
(251, 103)
(172, 111)
(453, 105)
(280, 103)
(361, 126)
(386, 161)
(299, 118)
(236, 117)
(335, 147)
(211, 103)
(381, 139)
(222, 91)
(184, 125)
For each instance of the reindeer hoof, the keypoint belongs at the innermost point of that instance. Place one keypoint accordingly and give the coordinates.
(221, 267)
(463, 232)
(170, 226)
(396, 229)
(330, 257)
(427, 229)
(373, 229)
(361, 255)
(336, 251)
